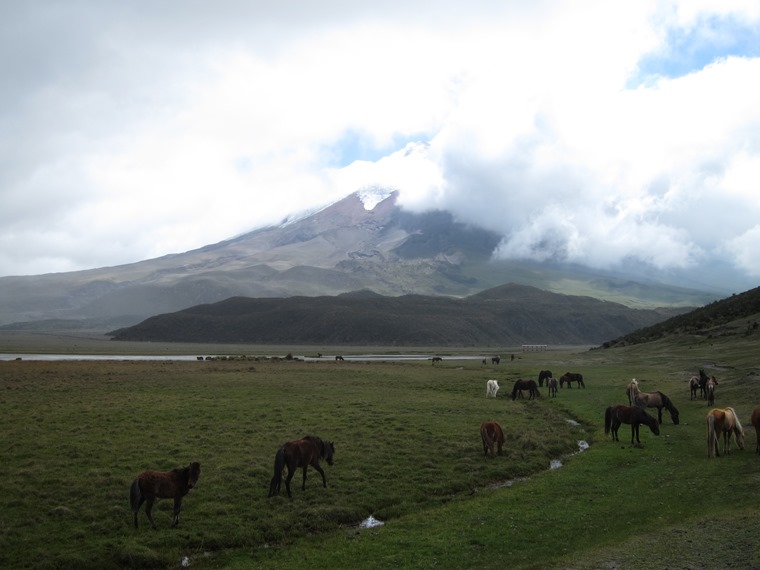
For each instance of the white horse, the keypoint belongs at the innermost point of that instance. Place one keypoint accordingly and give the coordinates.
(492, 387)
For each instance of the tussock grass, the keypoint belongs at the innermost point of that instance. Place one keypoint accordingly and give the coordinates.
(408, 452)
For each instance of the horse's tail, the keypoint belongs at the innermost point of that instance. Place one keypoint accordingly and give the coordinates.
(607, 420)
(712, 438)
(514, 391)
(134, 495)
(279, 465)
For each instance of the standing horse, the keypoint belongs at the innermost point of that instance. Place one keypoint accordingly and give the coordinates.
(529, 385)
(552, 383)
(492, 387)
(436, 359)
(300, 453)
(491, 434)
(657, 400)
(569, 377)
(703, 379)
(631, 390)
(544, 375)
(616, 415)
(755, 420)
(495, 359)
(723, 421)
(693, 387)
(710, 390)
(152, 485)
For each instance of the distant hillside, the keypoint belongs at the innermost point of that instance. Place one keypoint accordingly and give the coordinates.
(508, 315)
(737, 314)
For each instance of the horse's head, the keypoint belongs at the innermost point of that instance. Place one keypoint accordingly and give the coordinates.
(194, 472)
(329, 451)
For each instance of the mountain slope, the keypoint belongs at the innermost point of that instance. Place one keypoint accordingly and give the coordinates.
(505, 316)
(342, 248)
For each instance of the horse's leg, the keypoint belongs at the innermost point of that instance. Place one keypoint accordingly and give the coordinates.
(659, 414)
(177, 507)
(291, 472)
(303, 485)
(142, 500)
(321, 471)
(149, 510)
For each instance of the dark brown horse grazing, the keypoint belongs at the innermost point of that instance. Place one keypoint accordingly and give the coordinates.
(755, 419)
(656, 400)
(616, 415)
(300, 453)
(570, 377)
(544, 375)
(152, 485)
(724, 422)
(529, 385)
(491, 434)
(552, 383)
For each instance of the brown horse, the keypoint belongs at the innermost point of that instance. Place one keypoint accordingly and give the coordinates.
(710, 390)
(570, 377)
(544, 375)
(616, 415)
(656, 400)
(529, 385)
(723, 421)
(631, 390)
(756, 423)
(152, 485)
(491, 434)
(552, 383)
(436, 359)
(300, 453)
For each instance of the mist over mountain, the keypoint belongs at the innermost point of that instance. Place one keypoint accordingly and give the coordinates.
(363, 242)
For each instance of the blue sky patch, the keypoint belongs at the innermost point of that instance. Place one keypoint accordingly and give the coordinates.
(354, 145)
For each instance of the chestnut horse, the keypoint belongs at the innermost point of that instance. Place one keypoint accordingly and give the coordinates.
(756, 423)
(491, 434)
(571, 377)
(300, 453)
(152, 485)
(529, 385)
(656, 400)
(726, 422)
(616, 415)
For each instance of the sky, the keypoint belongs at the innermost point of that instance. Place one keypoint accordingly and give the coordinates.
(606, 134)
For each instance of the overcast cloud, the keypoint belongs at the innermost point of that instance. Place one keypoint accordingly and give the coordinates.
(595, 132)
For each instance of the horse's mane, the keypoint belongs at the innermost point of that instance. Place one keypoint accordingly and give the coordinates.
(736, 419)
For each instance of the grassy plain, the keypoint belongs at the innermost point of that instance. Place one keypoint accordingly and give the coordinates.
(407, 452)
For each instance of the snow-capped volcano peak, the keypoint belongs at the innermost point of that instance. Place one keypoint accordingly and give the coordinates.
(371, 196)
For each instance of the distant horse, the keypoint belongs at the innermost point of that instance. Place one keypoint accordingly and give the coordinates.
(300, 453)
(710, 390)
(544, 375)
(436, 359)
(152, 485)
(756, 423)
(693, 387)
(657, 400)
(483, 362)
(492, 435)
(495, 359)
(703, 378)
(723, 421)
(339, 357)
(631, 390)
(529, 385)
(552, 383)
(492, 387)
(569, 377)
(616, 415)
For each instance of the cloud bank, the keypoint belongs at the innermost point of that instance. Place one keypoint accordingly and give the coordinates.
(596, 133)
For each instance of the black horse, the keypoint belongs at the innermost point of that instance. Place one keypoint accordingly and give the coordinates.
(529, 385)
(616, 415)
(300, 453)
(544, 375)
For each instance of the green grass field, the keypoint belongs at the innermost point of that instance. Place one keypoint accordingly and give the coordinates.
(408, 452)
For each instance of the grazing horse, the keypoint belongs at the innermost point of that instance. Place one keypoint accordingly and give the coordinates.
(300, 453)
(756, 423)
(544, 375)
(710, 390)
(569, 377)
(616, 415)
(552, 383)
(436, 359)
(152, 485)
(495, 359)
(657, 400)
(723, 421)
(631, 390)
(339, 357)
(529, 385)
(492, 387)
(693, 387)
(491, 434)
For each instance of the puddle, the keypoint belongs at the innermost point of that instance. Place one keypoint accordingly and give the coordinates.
(370, 522)
(572, 422)
(557, 463)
